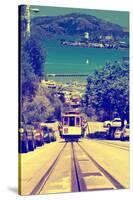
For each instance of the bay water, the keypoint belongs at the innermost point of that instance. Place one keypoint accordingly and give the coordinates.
(77, 60)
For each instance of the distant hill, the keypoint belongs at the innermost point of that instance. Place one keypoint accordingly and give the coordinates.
(76, 24)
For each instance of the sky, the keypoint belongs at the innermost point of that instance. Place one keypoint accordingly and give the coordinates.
(117, 17)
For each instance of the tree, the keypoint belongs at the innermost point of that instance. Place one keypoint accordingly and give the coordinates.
(108, 91)
(37, 103)
(43, 106)
(35, 55)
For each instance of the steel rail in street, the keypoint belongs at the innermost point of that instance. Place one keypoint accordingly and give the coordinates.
(78, 183)
(37, 189)
(113, 180)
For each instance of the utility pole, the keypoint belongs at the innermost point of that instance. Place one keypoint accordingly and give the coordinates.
(27, 16)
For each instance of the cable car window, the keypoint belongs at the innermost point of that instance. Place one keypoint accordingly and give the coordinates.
(72, 121)
(77, 121)
(65, 120)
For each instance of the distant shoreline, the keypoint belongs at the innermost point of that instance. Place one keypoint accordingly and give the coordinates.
(102, 45)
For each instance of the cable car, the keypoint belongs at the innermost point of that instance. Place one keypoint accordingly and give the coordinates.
(71, 127)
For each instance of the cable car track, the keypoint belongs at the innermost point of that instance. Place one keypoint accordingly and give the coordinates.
(103, 172)
(80, 158)
(37, 189)
(79, 183)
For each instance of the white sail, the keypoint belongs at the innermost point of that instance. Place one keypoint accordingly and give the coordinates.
(87, 61)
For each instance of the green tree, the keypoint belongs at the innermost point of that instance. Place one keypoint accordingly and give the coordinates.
(28, 84)
(43, 106)
(35, 55)
(108, 91)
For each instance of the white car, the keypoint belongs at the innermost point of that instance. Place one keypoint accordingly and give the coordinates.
(116, 122)
(106, 123)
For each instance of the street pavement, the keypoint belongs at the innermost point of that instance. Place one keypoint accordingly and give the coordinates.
(34, 165)
(114, 160)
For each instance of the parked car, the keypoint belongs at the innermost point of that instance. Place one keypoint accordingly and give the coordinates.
(39, 138)
(125, 133)
(47, 138)
(117, 133)
(30, 136)
(52, 135)
(106, 123)
(23, 141)
(38, 135)
(116, 122)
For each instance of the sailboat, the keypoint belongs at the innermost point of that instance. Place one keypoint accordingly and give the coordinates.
(87, 61)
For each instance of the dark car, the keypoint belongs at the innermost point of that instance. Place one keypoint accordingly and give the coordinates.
(30, 136)
(125, 133)
(23, 141)
(47, 138)
(39, 137)
(38, 134)
(52, 135)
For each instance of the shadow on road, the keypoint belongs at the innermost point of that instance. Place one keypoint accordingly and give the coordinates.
(68, 141)
(13, 189)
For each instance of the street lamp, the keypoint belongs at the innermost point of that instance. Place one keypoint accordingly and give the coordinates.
(28, 17)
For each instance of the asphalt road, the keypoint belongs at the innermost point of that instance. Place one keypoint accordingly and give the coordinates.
(70, 167)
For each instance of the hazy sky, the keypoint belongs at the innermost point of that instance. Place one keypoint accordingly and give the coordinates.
(118, 17)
